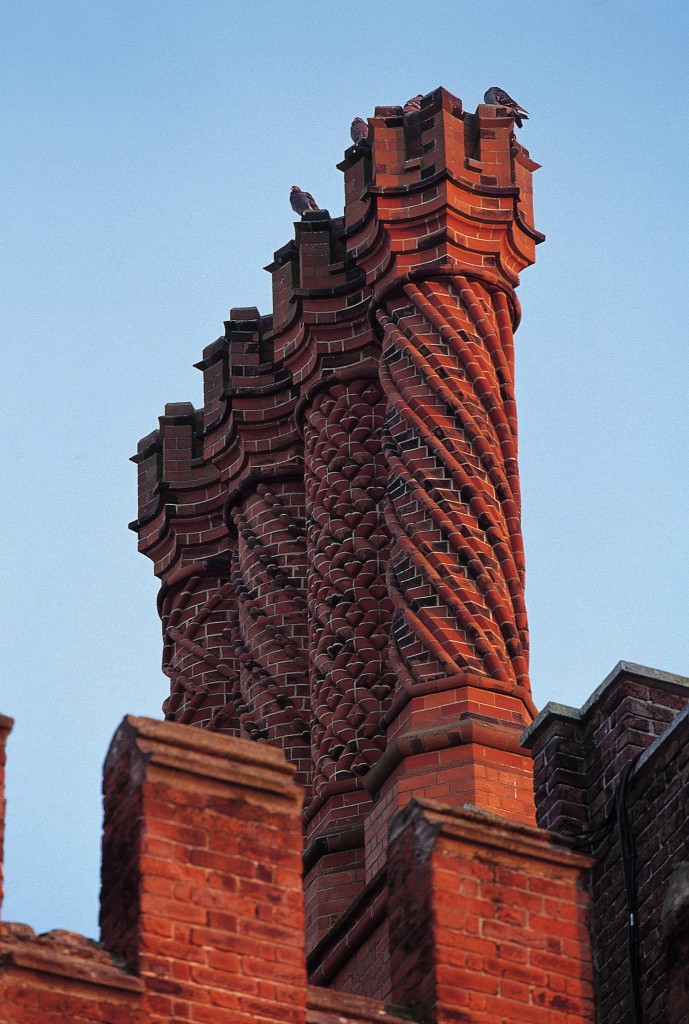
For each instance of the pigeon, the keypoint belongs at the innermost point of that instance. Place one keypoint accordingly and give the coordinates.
(500, 98)
(302, 202)
(359, 130)
(413, 105)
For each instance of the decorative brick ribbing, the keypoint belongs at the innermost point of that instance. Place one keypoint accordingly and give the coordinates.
(196, 653)
(453, 508)
(271, 697)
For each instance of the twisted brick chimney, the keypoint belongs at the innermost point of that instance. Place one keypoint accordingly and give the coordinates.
(337, 531)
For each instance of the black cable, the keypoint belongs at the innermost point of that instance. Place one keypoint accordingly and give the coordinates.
(628, 857)
(591, 839)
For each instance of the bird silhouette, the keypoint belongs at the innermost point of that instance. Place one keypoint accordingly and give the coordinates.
(358, 130)
(499, 98)
(302, 202)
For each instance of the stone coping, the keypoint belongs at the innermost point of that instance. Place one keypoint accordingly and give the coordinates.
(655, 677)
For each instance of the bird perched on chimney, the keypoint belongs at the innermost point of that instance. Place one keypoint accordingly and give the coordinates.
(358, 130)
(302, 202)
(499, 98)
(413, 105)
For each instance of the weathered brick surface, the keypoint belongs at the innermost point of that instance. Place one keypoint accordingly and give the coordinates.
(579, 758)
(202, 874)
(60, 976)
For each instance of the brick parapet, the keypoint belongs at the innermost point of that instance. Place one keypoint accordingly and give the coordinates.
(49, 978)
(58, 976)
(201, 907)
(655, 806)
(579, 753)
(201, 900)
(201, 891)
(488, 920)
(638, 720)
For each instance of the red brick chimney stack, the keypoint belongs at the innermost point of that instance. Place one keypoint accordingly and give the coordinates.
(337, 532)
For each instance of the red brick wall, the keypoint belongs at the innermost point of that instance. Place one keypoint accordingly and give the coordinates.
(202, 874)
(201, 899)
(60, 976)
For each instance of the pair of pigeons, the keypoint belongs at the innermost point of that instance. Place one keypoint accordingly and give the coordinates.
(303, 202)
(495, 96)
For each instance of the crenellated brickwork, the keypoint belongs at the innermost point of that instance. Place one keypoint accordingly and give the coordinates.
(489, 921)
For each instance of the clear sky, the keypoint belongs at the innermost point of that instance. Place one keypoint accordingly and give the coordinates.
(148, 149)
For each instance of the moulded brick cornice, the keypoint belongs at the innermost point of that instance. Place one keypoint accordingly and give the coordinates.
(66, 955)
(486, 829)
(495, 735)
(251, 476)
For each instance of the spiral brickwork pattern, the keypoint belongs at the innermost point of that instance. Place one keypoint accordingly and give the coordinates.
(456, 570)
(197, 656)
(350, 610)
(269, 631)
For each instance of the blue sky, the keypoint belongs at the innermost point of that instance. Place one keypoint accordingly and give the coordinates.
(148, 151)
